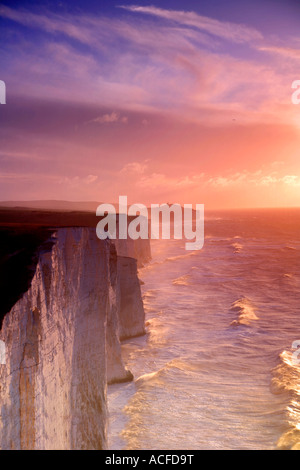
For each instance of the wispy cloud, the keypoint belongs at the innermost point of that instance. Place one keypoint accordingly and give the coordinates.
(140, 176)
(225, 30)
(288, 52)
(178, 66)
(113, 117)
(257, 178)
(134, 168)
(51, 23)
(143, 177)
(159, 102)
(18, 155)
(78, 181)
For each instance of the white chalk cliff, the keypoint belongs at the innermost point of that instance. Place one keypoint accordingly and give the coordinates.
(62, 341)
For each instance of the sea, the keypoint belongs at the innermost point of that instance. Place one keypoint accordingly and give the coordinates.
(218, 367)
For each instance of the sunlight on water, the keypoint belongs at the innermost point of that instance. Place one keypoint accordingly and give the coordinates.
(215, 369)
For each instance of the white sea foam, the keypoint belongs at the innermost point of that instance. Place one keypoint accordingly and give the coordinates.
(201, 383)
(245, 310)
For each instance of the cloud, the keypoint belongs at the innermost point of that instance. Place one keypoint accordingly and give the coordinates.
(179, 67)
(110, 118)
(13, 176)
(225, 30)
(165, 182)
(51, 23)
(287, 52)
(101, 32)
(139, 177)
(77, 181)
(135, 168)
(140, 174)
(253, 178)
(291, 180)
(90, 179)
(18, 155)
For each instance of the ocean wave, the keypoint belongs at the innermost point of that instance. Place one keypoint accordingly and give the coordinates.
(180, 257)
(245, 309)
(150, 294)
(182, 280)
(237, 247)
(170, 259)
(286, 381)
(215, 240)
(153, 378)
(147, 377)
(184, 365)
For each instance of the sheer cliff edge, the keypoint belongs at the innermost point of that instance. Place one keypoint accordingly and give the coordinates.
(69, 298)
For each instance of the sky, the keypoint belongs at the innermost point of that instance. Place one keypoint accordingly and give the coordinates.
(162, 101)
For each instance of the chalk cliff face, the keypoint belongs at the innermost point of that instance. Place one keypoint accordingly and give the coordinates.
(131, 316)
(138, 249)
(62, 343)
(116, 371)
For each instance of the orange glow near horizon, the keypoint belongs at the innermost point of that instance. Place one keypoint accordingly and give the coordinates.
(158, 104)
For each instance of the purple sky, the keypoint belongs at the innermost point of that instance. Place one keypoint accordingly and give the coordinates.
(169, 101)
